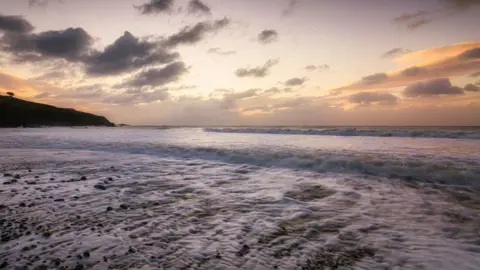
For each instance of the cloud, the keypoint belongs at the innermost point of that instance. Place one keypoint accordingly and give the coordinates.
(292, 4)
(471, 87)
(258, 72)
(156, 7)
(470, 54)
(53, 75)
(461, 4)
(276, 90)
(267, 36)
(128, 53)
(475, 74)
(220, 52)
(395, 52)
(374, 78)
(71, 44)
(229, 100)
(434, 87)
(296, 81)
(435, 54)
(198, 7)
(192, 35)
(413, 20)
(367, 98)
(15, 24)
(451, 65)
(319, 67)
(156, 76)
(413, 71)
(137, 97)
(418, 19)
(43, 95)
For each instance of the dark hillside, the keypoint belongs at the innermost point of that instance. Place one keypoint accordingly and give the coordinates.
(16, 112)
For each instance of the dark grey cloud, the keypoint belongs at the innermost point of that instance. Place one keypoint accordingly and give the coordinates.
(318, 67)
(434, 87)
(126, 54)
(471, 88)
(71, 44)
(395, 52)
(374, 78)
(367, 98)
(267, 36)
(156, 76)
(220, 51)
(258, 72)
(296, 81)
(156, 7)
(198, 7)
(413, 71)
(470, 54)
(15, 24)
(192, 35)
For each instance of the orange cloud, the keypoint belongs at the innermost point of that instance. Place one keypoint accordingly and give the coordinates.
(440, 62)
(431, 55)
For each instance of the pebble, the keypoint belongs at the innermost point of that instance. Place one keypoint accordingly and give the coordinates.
(79, 267)
(83, 178)
(46, 234)
(22, 204)
(109, 208)
(7, 174)
(86, 254)
(100, 186)
(124, 206)
(59, 200)
(245, 249)
(17, 176)
(131, 250)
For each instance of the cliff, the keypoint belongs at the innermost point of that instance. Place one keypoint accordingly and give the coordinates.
(16, 112)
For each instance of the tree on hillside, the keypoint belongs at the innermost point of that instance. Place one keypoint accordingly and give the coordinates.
(11, 94)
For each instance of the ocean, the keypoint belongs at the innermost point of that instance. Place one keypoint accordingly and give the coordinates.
(240, 198)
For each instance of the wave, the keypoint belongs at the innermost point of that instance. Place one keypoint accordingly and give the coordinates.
(372, 132)
(418, 168)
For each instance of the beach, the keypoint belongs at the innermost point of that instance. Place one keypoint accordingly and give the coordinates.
(193, 198)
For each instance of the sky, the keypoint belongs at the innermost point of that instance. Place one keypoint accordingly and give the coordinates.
(247, 62)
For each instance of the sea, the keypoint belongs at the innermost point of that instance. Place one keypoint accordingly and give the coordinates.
(240, 198)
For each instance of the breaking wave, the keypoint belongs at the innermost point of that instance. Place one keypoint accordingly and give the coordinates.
(462, 133)
(420, 168)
